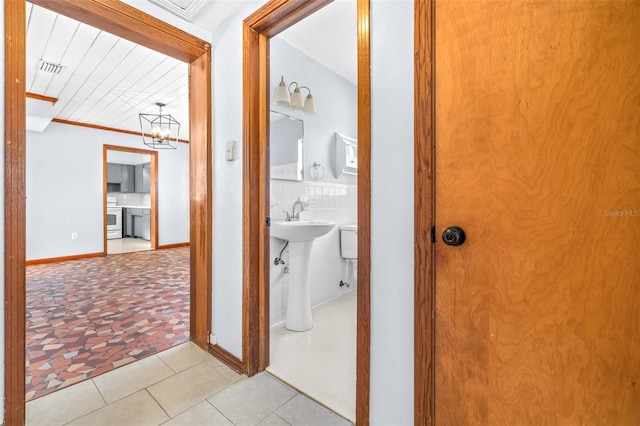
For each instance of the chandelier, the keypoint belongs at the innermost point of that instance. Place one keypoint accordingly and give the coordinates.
(159, 131)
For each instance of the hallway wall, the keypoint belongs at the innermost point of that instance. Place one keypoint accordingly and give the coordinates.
(227, 182)
(392, 238)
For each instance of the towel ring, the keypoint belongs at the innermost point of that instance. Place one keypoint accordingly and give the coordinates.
(316, 171)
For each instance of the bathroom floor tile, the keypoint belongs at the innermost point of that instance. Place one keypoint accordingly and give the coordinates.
(65, 405)
(330, 347)
(187, 388)
(138, 409)
(132, 378)
(248, 402)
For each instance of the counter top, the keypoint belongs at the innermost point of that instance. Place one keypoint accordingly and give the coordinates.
(135, 207)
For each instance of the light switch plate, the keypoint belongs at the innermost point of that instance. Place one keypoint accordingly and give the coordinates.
(230, 151)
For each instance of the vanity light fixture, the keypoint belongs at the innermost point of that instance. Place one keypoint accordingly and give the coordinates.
(159, 131)
(294, 99)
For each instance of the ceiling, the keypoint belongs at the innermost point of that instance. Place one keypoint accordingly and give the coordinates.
(207, 14)
(330, 37)
(107, 81)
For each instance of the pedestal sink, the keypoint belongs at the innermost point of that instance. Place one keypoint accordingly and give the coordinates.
(300, 234)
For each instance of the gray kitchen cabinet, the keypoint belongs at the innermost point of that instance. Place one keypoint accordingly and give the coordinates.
(138, 225)
(128, 177)
(146, 224)
(127, 223)
(143, 176)
(114, 173)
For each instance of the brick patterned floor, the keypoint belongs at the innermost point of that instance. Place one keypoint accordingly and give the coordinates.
(87, 317)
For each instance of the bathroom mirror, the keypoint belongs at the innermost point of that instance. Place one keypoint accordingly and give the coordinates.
(285, 145)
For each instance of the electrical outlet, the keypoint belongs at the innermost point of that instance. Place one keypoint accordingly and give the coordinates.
(74, 235)
(213, 339)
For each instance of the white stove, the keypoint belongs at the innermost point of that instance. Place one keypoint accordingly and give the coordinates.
(114, 219)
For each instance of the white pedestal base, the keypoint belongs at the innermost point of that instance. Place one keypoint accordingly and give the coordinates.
(299, 303)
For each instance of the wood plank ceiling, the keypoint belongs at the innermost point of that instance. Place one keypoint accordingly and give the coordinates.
(105, 80)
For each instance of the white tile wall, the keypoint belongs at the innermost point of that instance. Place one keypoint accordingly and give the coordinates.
(131, 198)
(328, 201)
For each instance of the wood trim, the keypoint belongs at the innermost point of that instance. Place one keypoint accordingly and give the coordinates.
(227, 358)
(130, 23)
(172, 246)
(257, 29)
(201, 207)
(279, 15)
(424, 217)
(153, 202)
(130, 149)
(272, 18)
(363, 342)
(64, 258)
(255, 327)
(14, 212)
(105, 149)
(41, 97)
(98, 127)
(153, 188)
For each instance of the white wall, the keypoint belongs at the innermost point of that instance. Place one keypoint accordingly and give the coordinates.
(392, 235)
(64, 190)
(336, 99)
(227, 182)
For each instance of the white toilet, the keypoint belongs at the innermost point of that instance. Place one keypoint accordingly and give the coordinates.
(349, 252)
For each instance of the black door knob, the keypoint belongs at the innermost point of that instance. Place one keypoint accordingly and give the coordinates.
(453, 236)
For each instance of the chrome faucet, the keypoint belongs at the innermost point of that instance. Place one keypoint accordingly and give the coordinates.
(287, 217)
(295, 215)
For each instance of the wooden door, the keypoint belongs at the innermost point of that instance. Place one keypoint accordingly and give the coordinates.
(538, 160)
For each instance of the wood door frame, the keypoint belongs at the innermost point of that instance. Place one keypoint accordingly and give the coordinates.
(424, 213)
(268, 21)
(128, 22)
(153, 188)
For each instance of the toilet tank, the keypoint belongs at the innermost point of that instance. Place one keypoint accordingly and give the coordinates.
(349, 241)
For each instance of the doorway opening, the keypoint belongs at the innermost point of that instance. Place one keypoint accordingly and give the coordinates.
(259, 28)
(313, 177)
(126, 21)
(131, 199)
(88, 315)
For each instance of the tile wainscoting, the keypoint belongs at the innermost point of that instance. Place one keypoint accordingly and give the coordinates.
(328, 201)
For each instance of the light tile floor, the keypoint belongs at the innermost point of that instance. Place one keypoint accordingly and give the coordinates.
(178, 387)
(321, 362)
(127, 245)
